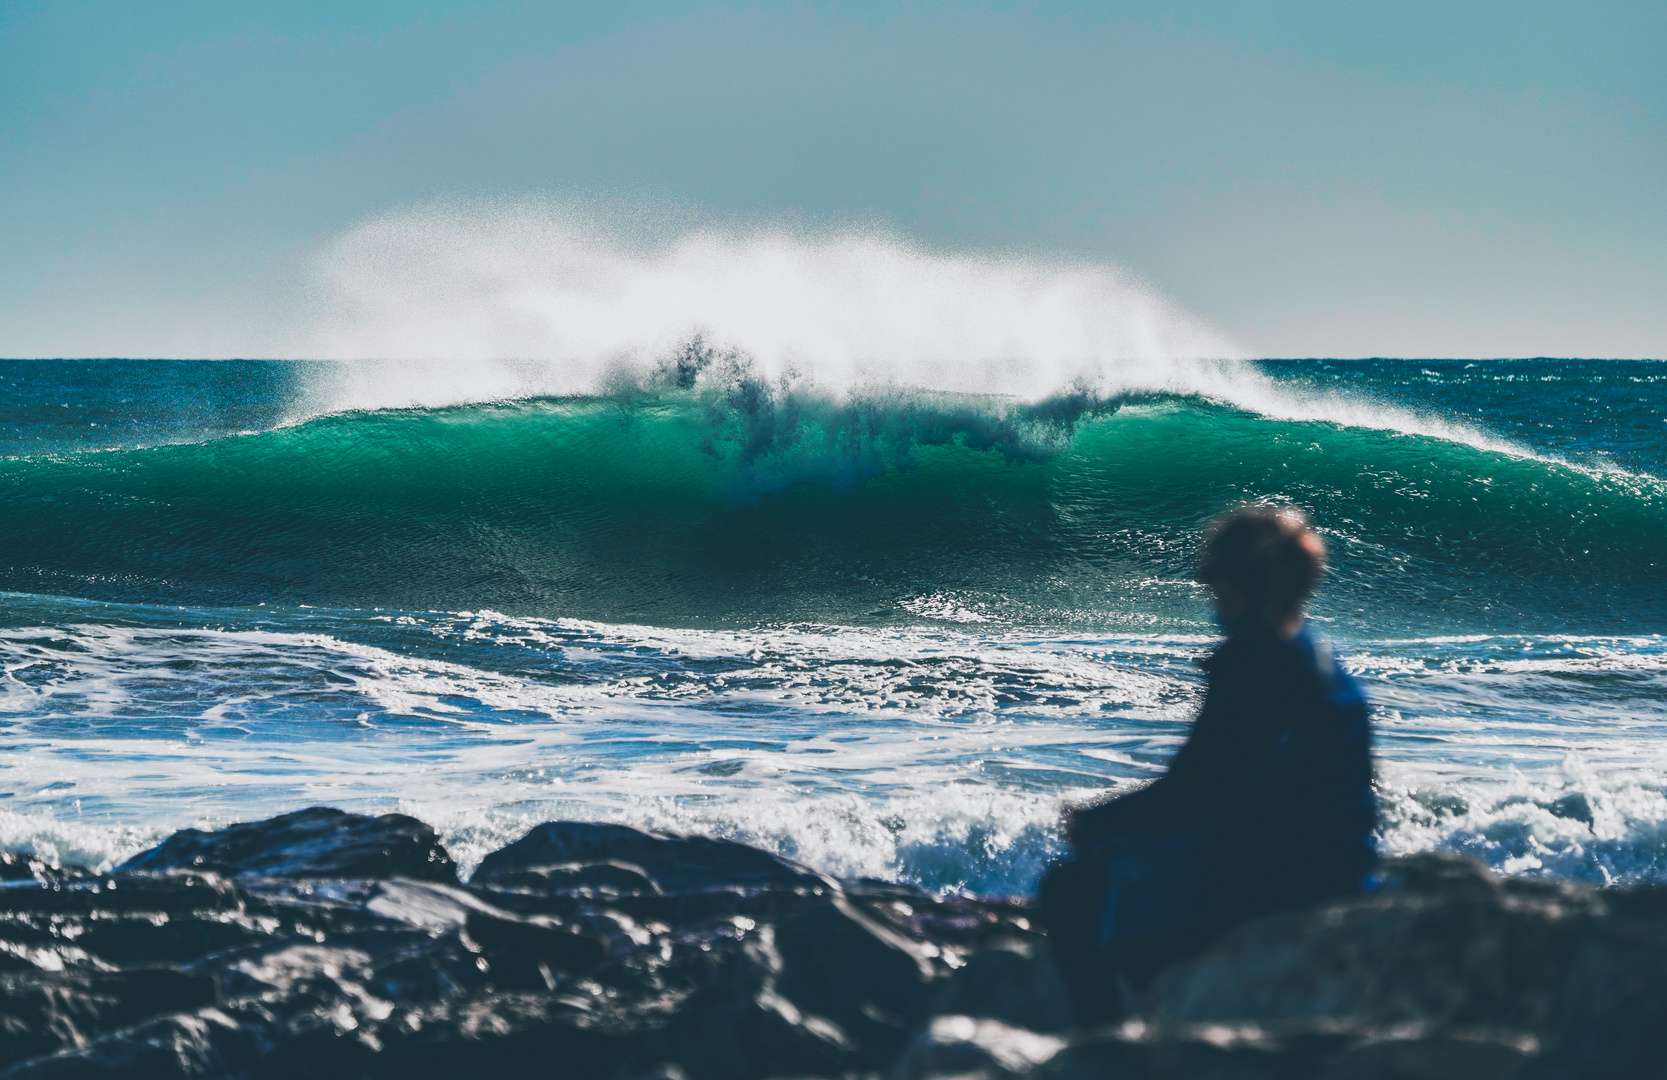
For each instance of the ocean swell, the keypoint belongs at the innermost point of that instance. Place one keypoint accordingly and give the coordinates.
(700, 492)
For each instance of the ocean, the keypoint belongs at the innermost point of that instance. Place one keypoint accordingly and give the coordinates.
(885, 631)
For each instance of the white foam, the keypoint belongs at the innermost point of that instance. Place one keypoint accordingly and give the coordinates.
(860, 752)
(1604, 825)
(938, 755)
(485, 300)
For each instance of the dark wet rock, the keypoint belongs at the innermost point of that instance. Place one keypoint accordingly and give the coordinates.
(532, 951)
(737, 1023)
(610, 953)
(1210, 1054)
(1444, 944)
(1454, 1056)
(1610, 1013)
(1012, 980)
(56, 1008)
(17, 866)
(966, 1046)
(1293, 1052)
(847, 968)
(594, 879)
(670, 863)
(319, 842)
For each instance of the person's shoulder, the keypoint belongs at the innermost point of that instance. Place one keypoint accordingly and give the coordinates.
(1235, 653)
(1316, 651)
(1322, 659)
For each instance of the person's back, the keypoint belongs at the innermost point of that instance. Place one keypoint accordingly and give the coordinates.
(1269, 801)
(1278, 774)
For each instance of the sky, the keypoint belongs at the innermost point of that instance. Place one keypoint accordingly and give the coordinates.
(1409, 179)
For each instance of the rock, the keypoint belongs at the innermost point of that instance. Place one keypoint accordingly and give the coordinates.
(300, 947)
(606, 878)
(963, 1046)
(1210, 1052)
(531, 951)
(128, 921)
(670, 863)
(520, 950)
(319, 842)
(430, 905)
(1450, 1057)
(49, 1010)
(738, 1025)
(1011, 980)
(174, 1046)
(826, 991)
(1444, 944)
(1610, 1015)
(840, 964)
(16, 866)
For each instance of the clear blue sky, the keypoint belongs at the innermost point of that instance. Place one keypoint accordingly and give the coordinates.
(1407, 178)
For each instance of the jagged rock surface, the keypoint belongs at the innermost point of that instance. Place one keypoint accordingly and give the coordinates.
(329, 944)
(318, 843)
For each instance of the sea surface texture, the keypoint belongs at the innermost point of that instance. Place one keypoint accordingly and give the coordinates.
(882, 631)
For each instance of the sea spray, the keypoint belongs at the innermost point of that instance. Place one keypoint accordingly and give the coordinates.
(484, 300)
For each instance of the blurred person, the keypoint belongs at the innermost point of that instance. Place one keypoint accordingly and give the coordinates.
(1268, 805)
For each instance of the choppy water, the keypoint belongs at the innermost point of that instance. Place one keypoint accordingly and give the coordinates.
(884, 631)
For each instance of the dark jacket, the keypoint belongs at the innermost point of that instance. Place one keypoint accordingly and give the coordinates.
(1277, 775)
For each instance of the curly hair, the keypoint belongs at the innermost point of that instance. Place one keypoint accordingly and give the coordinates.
(1269, 553)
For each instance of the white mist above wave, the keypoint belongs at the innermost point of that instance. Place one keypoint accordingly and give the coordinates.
(492, 300)
(461, 302)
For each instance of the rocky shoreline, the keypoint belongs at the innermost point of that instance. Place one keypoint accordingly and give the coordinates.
(325, 944)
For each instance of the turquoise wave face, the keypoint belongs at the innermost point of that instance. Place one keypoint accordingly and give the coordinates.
(691, 507)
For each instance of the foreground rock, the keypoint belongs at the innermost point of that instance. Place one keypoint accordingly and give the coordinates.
(315, 843)
(330, 944)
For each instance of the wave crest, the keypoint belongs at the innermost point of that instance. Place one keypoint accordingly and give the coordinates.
(490, 300)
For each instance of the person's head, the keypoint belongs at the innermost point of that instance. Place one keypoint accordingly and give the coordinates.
(1262, 563)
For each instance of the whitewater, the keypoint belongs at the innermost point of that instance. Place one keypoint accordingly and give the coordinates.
(873, 555)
